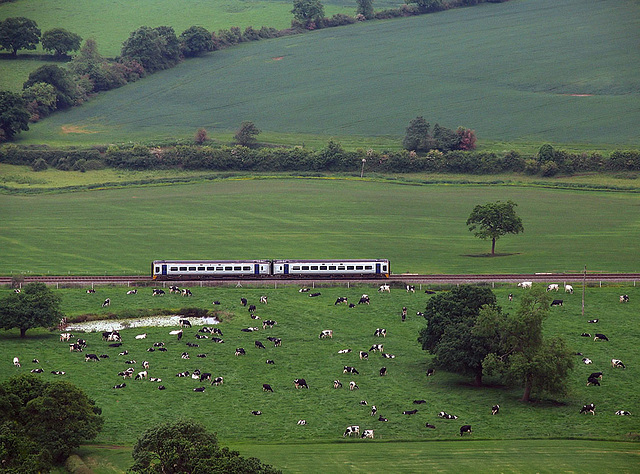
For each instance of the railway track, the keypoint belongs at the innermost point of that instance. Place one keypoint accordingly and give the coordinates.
(401, 278)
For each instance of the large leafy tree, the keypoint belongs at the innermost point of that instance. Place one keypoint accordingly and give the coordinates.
(18, 33)
(66, 88)
(47, 420)
(365, 8)
(524, 357)
(60, 41)
(451, 318)
(418, 136)
(195, 40)
(154, 48)
(308, 11)
(493, 220)
(35, 306)
(14, 116)
(186, 446)
(246, 134)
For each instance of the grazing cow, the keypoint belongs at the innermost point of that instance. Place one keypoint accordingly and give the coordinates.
(157, 292)
(127, 373)
(141, 336)
(217, 381)
(91, 290)
(89, 357)
(252, 308)
(254, 316)
(385, 287)
(557, 303)
(447, 416)
(363, 402)
(81, 342)
(495, 409)
(429, 425)
(162, 349)
(337, 384)
(592, 321)
(419, 313)
(184, 355)
(16, 362)
(304, 290)
(465, 429)
(568, 289)
(380, 332)
(313, 295)
(180, 335)
(145, 364)
(404, 313)
(57, 372)
(183, 374)
(302, 422)
(132, 292)
(240, 351)
(351, 305)
(617, 363)
(243, 301)
(553, 287)
(174, 289)
(158, 344)
(388, 356)
(195, 375)
(376, 347)
(590, 408)
(410, 412)
(300, 383)
(430, 372)
(65, 336)
(250, 329)
(205, 376)
(216, 331)
(120, 385)
(75, 347)
(383, 371)
(367, 434)
(161, 387)
(215, 303)
(419, 402)
(186, 292)
(155, 379)
(263, 299)
(202, 336)
(259, 345)
(410, 288)
(624, 298)
(270, 362)
(326, 333)
(217, 340)
(353, 429)
(35, 361)
(129, 362)
(107, 302)
(525, 284)
(349, 370)
(276, 341)
(141, 375)
(268, 323)
(600, 337)
(592, 381)
(36, 371)
(364, 299)
(344, 351)
(340, 300)
(510, 296)
(353, 385)
(382, 418)
(597, 375)
(199, 389)
(266, 387)
(185, 323)
(364, 355)
(622, 413)
(587, 361)
(585, 334)
(192, 344)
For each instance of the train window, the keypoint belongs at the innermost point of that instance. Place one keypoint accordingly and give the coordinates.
(314, 267)
(332, 267)
(359, 267)
(200, 269)
(305, 267)
(228, 269)
(340, 267)
(237, 269)
(192, 269)
(295, 267)
(219, 269)
(246, 269)
(211, 269)
(349, 267)
(183, 269)
(368, 267)
(384, 268)
(323, 267)
(174, 269)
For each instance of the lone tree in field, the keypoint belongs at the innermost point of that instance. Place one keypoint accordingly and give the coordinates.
(35, 306)
(451, 317)
(60, 41)
(494, 220)
(18, 33)
(246, 134)
(308, 11)
(186, 446)
(524, 357)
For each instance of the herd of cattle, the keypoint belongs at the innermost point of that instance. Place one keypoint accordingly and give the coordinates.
(114, 340)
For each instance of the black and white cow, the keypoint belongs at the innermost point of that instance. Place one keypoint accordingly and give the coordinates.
(592, 321)
(592, 381)
(337, 384)
(419, 402)
(89, 357)
(313, 295)
(410, 288)
(380, 332)
(36, 371)
(276, 341)
(266, 387)
(263, 299)
(132, 292)
(205, 376)
(590, 408)
(270, 362)
(199, 389)
(302, 422)
(183, 374)
(157, 292)
(430, 372)
(623, 413)
(587, 361)
(252, 308)
(624, 298)
(585, 334)
(353, 386)
(91, 290)
(383, 371)
(617, 363)
(374, 410)
(429, 425)
(364, 299)
(120, 385)
(259, 345)
(304, 290)
(268, 323)
(240, 351)
(185, 323)
(326, 333)
(184, 355)
(349, 370)
(155, 379)
(367, 434)
(388, 356)
(382, 418)
(353, 429)
(201, 336)
(495, 409)
(344, 351)
(186, 292)
(243, 301)
(364, 355)
(340, 300)
(217, 340)
(446, 416)
(174, 289)
(377, 347)
(217, 381)
(141, 375)
(58, 372)
(557, 303)
(553, 287)
(465, 429)
(107, 302)
(600, 337)
(300, 383)
(385, 287)
(410, 412)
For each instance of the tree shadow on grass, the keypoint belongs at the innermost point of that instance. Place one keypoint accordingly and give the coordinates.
(488, 255)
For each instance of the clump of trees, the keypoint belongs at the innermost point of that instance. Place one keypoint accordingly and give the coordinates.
(186, 446)
(41, 423)
(419, 137)
(35, 306)
(23, 33)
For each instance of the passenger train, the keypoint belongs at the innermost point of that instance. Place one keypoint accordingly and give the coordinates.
(231, 269)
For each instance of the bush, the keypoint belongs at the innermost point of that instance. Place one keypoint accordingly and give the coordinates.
(531, 167)
(39, 165)
(550, 168)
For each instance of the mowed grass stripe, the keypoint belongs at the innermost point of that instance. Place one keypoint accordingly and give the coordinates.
(421, 229)
(509, 71)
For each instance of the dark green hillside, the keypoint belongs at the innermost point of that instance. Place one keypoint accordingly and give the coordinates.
(540, 70)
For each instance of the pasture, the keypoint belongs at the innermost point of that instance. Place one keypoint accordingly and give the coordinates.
(419, 228)
(227, 408)
(510, 71)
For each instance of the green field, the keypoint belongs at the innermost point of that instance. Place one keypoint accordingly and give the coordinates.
(402, 443)
(494, 68)
(420, 228)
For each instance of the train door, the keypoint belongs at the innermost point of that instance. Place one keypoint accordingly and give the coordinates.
(256, 269)
(286, 268)
(378, 268)
(164, 269)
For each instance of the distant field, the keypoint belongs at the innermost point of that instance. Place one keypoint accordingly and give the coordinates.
(537, 70)
(420, 228)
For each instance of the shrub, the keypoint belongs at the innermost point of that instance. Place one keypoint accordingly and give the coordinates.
(531, 167)
(550, 168)
(39, 165)
(201, 136)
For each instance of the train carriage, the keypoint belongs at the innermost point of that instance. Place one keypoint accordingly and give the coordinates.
(209, 269)
(332, 268)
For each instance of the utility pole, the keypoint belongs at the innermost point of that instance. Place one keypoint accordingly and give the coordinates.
(362, 171)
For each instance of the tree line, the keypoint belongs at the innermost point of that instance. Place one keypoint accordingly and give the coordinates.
(147, 50)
